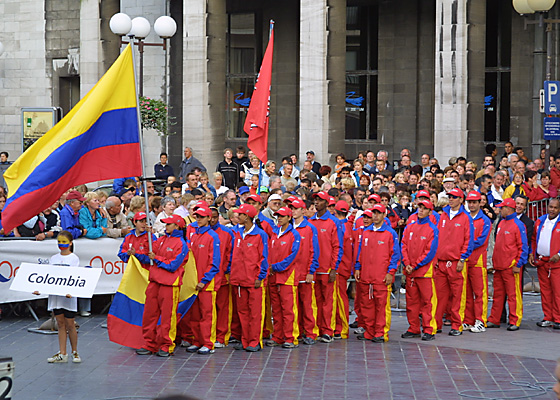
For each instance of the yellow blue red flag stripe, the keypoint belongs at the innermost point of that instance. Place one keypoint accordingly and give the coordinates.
(98, 139)
(124, 321)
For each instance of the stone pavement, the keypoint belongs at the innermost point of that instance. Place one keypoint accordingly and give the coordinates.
(399, 369)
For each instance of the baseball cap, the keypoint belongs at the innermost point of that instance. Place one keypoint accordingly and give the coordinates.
(423, 193)
(448, 180)
(473, 196)
(426, 203)
(332, 201)
(203, 211)
(367, 213)
(375, 197)
(322, 195)
(243, 189)
(246, 209)
(174, 219)
(290, 199)
(123, 191)
(284, 211)
(509, 202)
(264, 189)
(310, 152)
(341, 205)
(298, 203)
(139, 216)
(379, 207)
(275, 196)
(456, 192)
(254, 197)
(75, 195)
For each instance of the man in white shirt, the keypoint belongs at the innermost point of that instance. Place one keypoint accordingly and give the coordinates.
(497, 189)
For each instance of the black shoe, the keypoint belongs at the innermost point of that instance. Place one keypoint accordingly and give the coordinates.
(143, 352)
(308, 341)
(238, 346)
(439, 331)
(409, 335)
(337, 336)
(379, 339)
(252, 349)
(361, 337)
(545, 324)
(233, 340)
(492, 325)
(289, 345)
(163, 353)
(354, 325)
(272, 343)
(325, 338)
(512, 328)
(427, 337)
(455, 332)
(557, 325)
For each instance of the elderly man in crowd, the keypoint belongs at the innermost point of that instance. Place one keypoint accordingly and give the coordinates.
(117, 225)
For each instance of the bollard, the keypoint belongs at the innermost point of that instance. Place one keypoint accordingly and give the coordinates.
(6, 377)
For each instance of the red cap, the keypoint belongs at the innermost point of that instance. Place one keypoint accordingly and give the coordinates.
(423, 193)
(341, 206)
(367, 213)
(473, 196)
(75, 195)
(332, 201)
(254, 197)
(139, 216)
(298, 203)
(284, 211)
(203, 211)
(456, 192)
(322, 195)
(290, 199)
(509, 202)
(379, 207)
(426, 203)
(375, 197)
(246, 209)
(175, 219)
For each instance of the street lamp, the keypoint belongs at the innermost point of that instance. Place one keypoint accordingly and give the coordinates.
(139, 28)
(525, 7)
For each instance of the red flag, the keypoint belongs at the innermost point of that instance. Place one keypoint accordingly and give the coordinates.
(256, 123)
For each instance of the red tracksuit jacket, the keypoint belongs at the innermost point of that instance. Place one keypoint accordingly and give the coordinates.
(482, 227)
(457, 235)
(249, 260)
(511, 248)
(554, 239)
(434, 218)
(267, 224)
(330, 241)
(226, 246)
(345, 267)
(171, 255)
(379, 254)
(307, 259)
(205, 246)
(419, 246)
(140, 245)
(282, 254)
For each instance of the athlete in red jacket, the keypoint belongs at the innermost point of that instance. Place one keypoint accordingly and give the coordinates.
(249, 266)
(476, 308)
(307, 262)
(330, 244)
(344, 271)
(510, 254)
(169, 255)
(421, 196)
(284, 246)
(419, 246)
(378, 257)
(136, 243)
(546, 256)
(456, 244)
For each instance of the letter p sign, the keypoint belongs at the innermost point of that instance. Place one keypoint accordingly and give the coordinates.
(552, 98)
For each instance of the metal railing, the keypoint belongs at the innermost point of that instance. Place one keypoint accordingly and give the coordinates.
(536, 209)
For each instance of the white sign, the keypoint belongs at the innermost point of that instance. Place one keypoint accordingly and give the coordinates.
(56, 279)
(98, 253)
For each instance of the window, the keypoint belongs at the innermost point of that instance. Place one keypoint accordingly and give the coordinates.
(498, 72)
(242, 55)
(361, 72)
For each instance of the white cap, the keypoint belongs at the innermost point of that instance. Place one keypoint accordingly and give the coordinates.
(275, 196)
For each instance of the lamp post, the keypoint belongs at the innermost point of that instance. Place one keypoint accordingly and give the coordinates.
(139, 28)
(528, 7)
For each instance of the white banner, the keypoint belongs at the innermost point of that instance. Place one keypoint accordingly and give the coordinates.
(56, 279)
(97, 253)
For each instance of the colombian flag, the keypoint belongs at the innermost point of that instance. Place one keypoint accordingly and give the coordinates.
(98, 139)
(124, 321)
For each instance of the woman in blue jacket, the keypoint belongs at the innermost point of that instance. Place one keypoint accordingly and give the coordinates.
(91, 217)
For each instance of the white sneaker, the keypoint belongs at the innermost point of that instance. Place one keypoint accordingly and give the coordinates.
(76, 357)
(467, 327)
(85, 314)
(219, 345)
(478, 327)
(360, 330)
(58, 358)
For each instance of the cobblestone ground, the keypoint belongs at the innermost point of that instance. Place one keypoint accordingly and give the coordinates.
(481, 365)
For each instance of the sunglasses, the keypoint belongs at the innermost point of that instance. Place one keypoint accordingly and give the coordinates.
(453, 197)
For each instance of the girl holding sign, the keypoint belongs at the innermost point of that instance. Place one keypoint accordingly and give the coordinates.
(65, 307)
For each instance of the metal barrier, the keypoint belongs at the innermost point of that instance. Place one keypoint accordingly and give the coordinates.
(536, 209)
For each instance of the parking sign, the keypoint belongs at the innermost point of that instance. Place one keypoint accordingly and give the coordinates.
(552, 97)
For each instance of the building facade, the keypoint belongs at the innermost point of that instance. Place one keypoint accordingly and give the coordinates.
(443, 77)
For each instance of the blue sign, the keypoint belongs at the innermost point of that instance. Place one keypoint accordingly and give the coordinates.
(552, 97)
(551, 128)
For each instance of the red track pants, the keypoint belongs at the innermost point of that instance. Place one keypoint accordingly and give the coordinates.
(376, 309)
(250, 308)
(224, 313)
(342, 306)
(325, 293)
(506, 283)
(203, 319)
(477, 294)
(307, 310)
(451, 286)
(421, 300)
(357, 307)
(268, 326)
(549, 280)
(161, 302)
(283, 299)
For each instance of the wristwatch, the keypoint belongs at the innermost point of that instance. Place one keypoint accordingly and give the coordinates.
(462, 260)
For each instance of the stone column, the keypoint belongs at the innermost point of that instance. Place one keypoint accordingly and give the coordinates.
(90, 57)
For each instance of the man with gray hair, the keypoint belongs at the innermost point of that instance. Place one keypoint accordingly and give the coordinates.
(188, 164)
(116, 220)
(384, 156)
(275, 182)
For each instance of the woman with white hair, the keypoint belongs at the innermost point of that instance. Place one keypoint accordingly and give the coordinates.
(168, 204)
(91, 218)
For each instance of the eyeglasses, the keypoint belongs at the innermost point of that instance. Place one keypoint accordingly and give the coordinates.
(452, 197)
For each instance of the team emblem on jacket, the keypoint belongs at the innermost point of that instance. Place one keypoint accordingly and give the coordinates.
(169, 249)
(457, 225)
(380, 242)
(323, 230)
(200, 246)
(443, 223)
(282, 243)
(422, 237)
(249, 244)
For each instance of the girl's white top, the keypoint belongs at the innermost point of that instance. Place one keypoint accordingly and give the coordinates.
(70, 304)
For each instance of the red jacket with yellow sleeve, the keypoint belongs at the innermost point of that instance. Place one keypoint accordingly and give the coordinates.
(378, 254)
(330, 242)
(458, 233)
(419, 246)
(282, 252)
(511, 248)
(171, 255)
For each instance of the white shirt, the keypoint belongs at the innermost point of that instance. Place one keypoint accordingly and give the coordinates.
(452, 213)
(249, 231)
(543, 246)
(70, 304)
(497, 194)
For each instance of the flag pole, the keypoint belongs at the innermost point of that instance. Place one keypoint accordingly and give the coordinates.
(141, 142)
